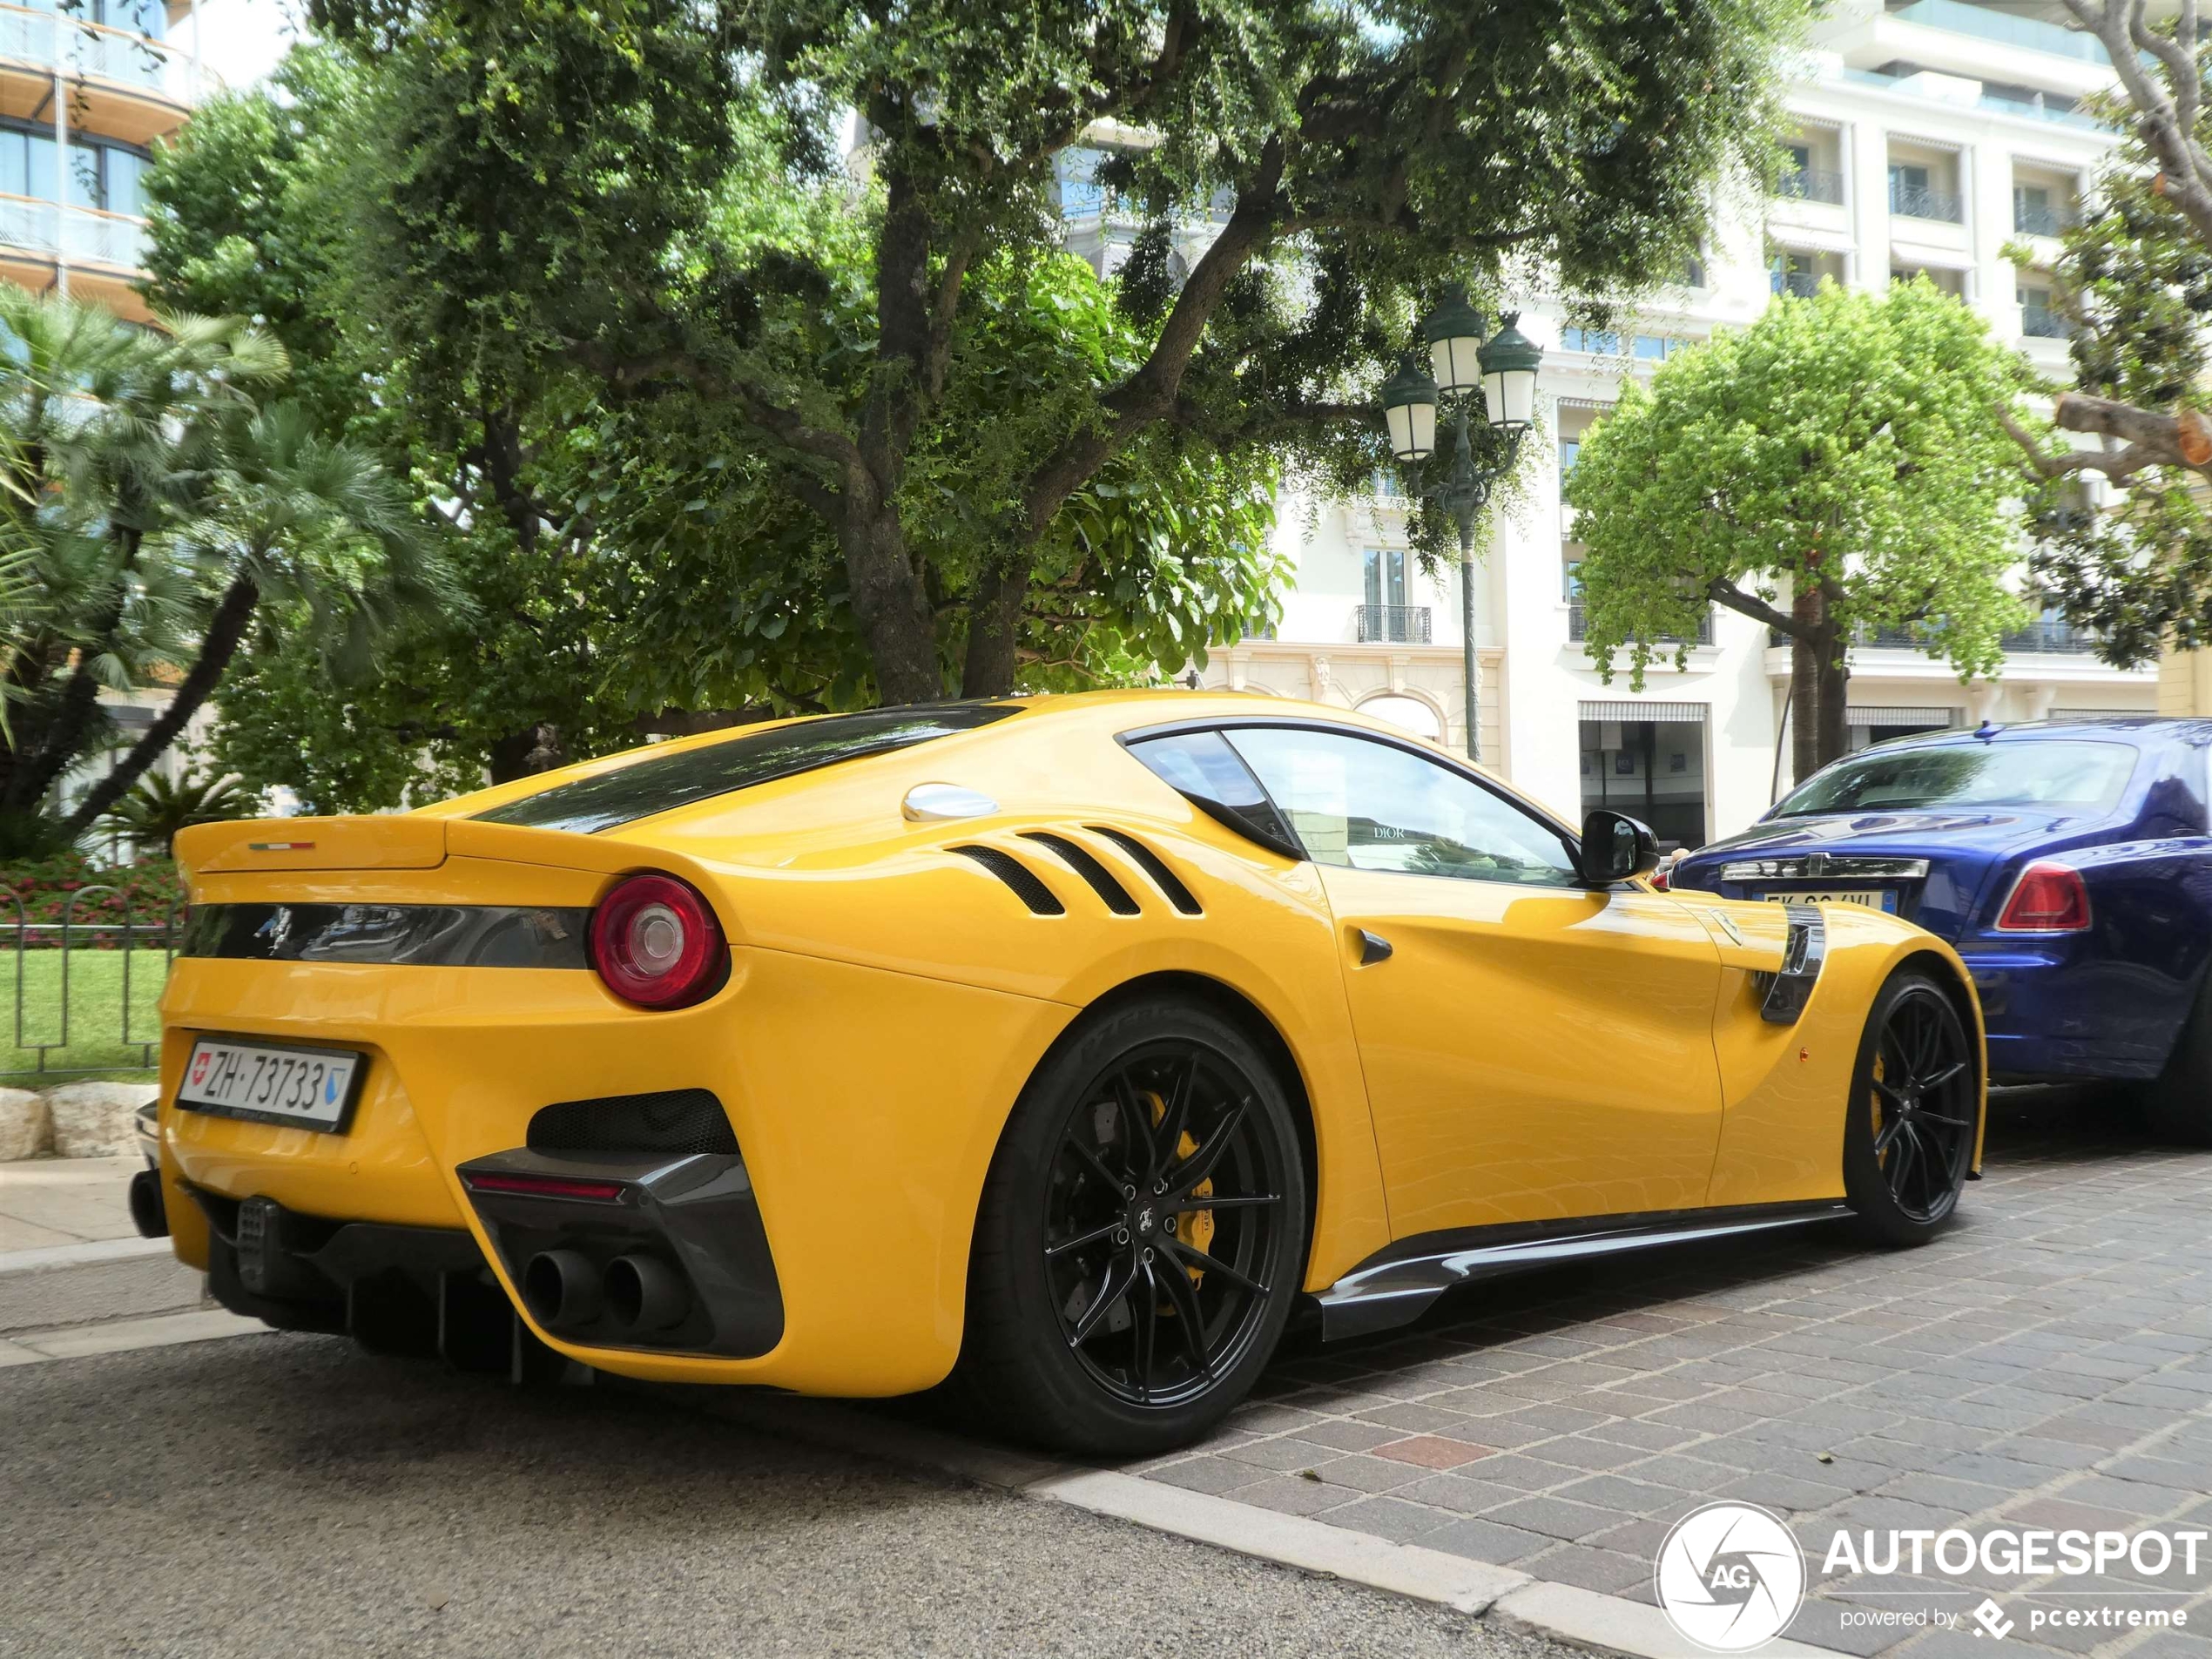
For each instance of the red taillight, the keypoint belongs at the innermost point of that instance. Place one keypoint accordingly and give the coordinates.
(542, 1186)
(2047, 899)
(656, 943)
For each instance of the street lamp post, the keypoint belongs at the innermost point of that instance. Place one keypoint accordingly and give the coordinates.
(1460, 360)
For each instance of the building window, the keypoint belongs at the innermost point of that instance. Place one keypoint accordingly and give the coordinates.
(1570, 572)
(1570, 450)
(1599, 342)
(1385, 575)
(1793, 274)
(1387, 484)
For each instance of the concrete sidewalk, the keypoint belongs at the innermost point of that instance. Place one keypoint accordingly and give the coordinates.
(70, 1256)
(44, 1201)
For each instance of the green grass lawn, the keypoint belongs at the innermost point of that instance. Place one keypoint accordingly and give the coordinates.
(94, 1034)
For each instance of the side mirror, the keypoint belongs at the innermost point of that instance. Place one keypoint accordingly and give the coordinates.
(1614, 847)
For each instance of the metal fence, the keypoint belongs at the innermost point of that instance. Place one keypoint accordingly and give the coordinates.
(67, 940)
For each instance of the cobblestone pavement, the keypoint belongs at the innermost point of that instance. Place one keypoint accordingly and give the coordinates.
(2047, 1362)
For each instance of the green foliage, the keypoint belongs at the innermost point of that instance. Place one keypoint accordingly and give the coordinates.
(1849, 442)
(150, 816)
(149, 497)
(2135, 283)
(634, 217)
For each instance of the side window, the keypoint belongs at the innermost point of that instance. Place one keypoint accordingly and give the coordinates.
(1370, 806)
(1202, 767)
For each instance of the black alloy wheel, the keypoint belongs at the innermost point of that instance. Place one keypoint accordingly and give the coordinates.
(1161, 1222)
(1915, 1112)
(1142, 1235)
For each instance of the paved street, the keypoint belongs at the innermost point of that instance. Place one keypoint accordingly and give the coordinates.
(2048, 1363)
(289, 1496)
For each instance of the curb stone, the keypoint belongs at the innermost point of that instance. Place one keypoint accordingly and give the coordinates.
(1560, 1612)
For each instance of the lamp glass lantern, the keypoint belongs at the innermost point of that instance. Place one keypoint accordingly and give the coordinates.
(1409, 405)
(1509, 360)
(1453, 332)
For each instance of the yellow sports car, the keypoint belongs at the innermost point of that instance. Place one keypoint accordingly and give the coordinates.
(1075, 1045)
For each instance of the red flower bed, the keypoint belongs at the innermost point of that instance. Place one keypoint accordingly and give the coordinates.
(96, 901)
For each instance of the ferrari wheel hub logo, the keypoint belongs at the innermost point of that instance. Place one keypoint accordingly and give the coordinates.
(1729, 1577)
(1144, 1219)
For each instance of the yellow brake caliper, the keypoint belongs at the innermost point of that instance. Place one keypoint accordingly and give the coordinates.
(1197, 1231)
(1874, 1105)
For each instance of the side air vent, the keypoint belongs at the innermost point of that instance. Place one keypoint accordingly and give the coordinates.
(674, 1120)
(1150, 862)
(1101, 878)
(1017, 875)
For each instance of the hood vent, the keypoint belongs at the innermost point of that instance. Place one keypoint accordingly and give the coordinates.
(1102, 881)
(1154, 865)
(1017, 875)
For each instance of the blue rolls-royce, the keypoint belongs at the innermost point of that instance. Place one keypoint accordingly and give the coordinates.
(2070, 865)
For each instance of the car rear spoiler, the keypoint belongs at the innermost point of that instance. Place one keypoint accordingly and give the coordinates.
(386, 842)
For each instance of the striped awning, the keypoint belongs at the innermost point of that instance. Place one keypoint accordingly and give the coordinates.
(1626, 709)
(1858, 714)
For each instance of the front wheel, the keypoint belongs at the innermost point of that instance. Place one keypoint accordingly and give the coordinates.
(1141, 1238)
(1915, 1113)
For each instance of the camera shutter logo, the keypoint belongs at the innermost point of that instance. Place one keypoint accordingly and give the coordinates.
(1729, 1577)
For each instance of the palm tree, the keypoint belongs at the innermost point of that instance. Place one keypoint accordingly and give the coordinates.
(150, 816)
(280, 513)
(105, 435)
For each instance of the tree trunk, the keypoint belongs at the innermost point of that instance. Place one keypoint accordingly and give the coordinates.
(994, 632)
(889, 601)
(1834, 668)
(225, 630)
(1804, 712)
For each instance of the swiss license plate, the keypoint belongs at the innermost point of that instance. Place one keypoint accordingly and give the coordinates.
(272, 1083)
(1872, 898)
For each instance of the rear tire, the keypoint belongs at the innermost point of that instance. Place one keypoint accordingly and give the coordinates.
(1097, 1263)
(2177, 1105)
(1914, 1118)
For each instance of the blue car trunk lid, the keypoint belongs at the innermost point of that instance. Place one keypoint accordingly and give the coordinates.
(1962, 854)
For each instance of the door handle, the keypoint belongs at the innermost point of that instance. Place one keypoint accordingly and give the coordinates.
(1374, 949)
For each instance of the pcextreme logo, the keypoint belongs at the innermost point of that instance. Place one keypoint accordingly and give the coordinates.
(1729, 1577)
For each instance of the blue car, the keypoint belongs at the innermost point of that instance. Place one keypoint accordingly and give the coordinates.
(2069, 864)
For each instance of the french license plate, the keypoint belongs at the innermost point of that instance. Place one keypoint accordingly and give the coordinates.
(272, 1083)
(1872, 898)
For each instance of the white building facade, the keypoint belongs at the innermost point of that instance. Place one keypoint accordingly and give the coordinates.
(1929, 135)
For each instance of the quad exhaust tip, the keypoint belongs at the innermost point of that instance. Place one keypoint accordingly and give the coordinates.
(563, 1288)
(644, 1293)
(638, 1293)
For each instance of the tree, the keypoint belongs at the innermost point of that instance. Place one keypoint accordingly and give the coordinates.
(1846, 447)
(146, 499)
(2134, 284)
(661, 575)
(568, 214)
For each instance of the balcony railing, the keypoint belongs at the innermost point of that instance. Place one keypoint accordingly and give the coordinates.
(1992, 24)
(2048, 635)
(1391, 625)
(77, 234)
(2043, 323)
(1801, 284)
(1915, 201)
(1578, 629)
(1811, 184)
(76, 47)
(2031, 220)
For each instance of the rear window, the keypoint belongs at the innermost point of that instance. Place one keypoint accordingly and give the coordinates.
(2056, 776)
(662, 783)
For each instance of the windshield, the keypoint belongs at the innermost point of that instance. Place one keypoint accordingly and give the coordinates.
(661, 783)
(2057, 776)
